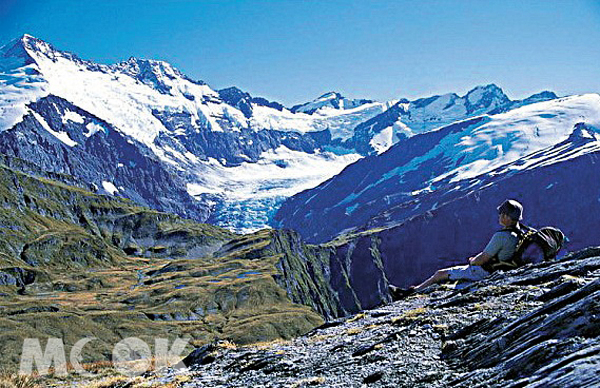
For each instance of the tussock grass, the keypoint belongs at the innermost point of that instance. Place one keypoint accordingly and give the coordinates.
(411, 316)
(354, 330)
(357, 317)
(114, 382)
(13, 380)
(86, 284)
(226, 344)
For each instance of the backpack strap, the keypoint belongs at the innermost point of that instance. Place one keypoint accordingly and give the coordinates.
(524, 234)
(526, 237)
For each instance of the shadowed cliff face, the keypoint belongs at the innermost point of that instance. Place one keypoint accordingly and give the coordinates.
(565, 194)
(97, 154)
(335, 280)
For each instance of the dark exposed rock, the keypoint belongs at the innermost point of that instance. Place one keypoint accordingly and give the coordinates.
(103, 156)
(362, 350)
(16, 276)
(373, 377)
(243, 100)
(200, 356)
(41, 309)
(327, 325)
(260, 362)
(560, 290)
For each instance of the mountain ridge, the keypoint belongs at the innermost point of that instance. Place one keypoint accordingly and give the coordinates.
(439, 159)
(208, 140)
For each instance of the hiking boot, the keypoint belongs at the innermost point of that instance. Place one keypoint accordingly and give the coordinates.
(398, 293)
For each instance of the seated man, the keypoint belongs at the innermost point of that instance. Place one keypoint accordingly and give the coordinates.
(500, 249)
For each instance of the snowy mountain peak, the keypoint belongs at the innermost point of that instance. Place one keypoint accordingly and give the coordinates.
(489, 87)
(541, 96)
(26, 41)
(27, 50)
(36, 47)
(485, 93)
(234, 91)
(17, 48)
(331, 100)
(330, 96)
(32, 41)
(243, 100)
(485, 97)
(139, 65)
(155, 73)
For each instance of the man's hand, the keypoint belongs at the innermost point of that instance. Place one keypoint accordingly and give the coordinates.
(480, 259)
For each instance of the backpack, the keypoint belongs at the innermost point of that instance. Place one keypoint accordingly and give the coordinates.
(546, 242)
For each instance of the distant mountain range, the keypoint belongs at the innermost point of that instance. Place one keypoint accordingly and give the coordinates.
(143, 130)
(422, 174)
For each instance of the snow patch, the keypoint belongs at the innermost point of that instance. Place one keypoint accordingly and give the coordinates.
(109, 187)
(383, 140)
(19, 86)
(93, 128)
(72, 116)
(62, 136)
(193, 158)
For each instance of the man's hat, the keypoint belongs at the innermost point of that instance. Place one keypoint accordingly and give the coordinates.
(511, 208)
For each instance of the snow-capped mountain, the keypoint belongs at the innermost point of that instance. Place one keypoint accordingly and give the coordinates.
(413, 177)
(61, 137)
(203, 140)
(328, 101)
(233, 156)
(407, 118)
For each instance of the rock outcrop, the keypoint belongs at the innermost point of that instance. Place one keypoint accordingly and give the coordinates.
(536, 326)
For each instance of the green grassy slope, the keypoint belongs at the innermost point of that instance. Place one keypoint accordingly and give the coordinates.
(74, 264)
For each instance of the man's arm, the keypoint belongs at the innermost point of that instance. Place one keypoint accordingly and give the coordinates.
(480, 259)
(489, 251)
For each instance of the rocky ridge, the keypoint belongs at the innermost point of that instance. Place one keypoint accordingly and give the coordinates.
(536, 326)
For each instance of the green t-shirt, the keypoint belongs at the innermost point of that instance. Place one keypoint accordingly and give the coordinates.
(502, 245)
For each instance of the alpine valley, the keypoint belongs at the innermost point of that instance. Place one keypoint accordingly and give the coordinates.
(137, 202)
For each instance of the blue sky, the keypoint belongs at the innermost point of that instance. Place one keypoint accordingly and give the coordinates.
(293, 51)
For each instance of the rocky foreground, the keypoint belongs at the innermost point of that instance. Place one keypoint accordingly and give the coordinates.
(538, 326)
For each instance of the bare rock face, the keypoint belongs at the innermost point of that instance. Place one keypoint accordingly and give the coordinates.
(98, 155)
(555, 344)
(537, 326)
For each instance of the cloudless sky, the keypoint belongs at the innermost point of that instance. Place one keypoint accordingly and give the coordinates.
(293, 51)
